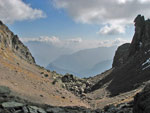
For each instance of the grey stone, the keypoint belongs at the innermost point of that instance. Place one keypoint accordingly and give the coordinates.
(12, 105)
(34, 109)
(4, 90)
(54, 110)
(25, 109)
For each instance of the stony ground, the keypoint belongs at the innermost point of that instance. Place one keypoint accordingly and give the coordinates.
(33, 83)
(13, 104)
(38, 85)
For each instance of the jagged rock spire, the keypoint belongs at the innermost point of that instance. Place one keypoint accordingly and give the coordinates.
(137, 43)
(140, 42)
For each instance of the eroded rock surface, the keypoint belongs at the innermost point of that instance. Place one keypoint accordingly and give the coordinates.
(142, 101)
(10, 41)
(121, 55)
(131, 62)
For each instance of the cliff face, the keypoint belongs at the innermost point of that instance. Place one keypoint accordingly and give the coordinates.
(141, 39)
(10, 41)
(121, 55)
(131, 62)
(140, 42)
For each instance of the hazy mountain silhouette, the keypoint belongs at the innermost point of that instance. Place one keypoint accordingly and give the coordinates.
(83, 62)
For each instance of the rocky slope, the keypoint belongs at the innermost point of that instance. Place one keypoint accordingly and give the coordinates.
(13, 104)
(130, 72)
(131, 62)
(27, 80)
(10, 41)
(142, 101)
(33, 89)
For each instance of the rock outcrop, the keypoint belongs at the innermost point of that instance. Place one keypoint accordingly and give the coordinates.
(10, 41)
(74, 84)
(131, 62)
(141, 34)
(142, 101)
(121, 55)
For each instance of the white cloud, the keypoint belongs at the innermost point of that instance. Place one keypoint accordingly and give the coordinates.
(75, 40)
(76, 44)
(112, 29)
(144, 1)
(115, 42)
(45, 39)
(17, 10)
(115, 13)
(55, 41)
(124, 1)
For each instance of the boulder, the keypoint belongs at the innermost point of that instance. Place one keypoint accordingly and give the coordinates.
(4, 90)
(12, 105)
(68, 78)
(34, 109)
(55, 110)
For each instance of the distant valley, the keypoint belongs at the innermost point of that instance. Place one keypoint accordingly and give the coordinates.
(83, 63)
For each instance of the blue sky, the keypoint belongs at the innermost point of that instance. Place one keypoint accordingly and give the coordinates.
(58, 22)
(73, 19)
(71, 25)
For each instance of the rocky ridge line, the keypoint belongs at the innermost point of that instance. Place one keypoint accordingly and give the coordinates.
(10, 41)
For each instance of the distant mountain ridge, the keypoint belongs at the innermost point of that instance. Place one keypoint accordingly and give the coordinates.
(62, 71)
(83, 62)
(98, 68)
(45, 53)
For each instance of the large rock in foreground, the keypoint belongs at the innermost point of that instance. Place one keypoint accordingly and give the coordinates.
(142, 101)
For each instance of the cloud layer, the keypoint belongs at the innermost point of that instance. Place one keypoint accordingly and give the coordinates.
(114, 15)
(76, 44)
(17, 10)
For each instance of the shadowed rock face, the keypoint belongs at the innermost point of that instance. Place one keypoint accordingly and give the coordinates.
(141, 37)
(131, 62)
(11, 41)
(142, 101)
(140, 42)
(121, 55)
